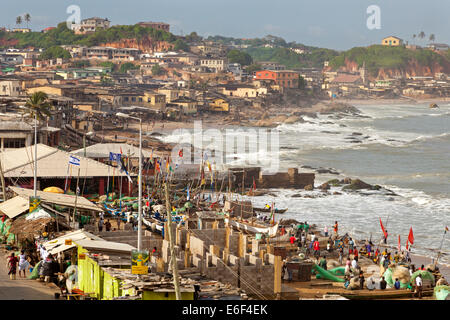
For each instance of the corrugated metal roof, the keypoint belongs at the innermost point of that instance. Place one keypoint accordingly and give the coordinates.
(105, 245)
(52, 163)
(58, 198)
(102, 150)
(75, 235)
(14, 207)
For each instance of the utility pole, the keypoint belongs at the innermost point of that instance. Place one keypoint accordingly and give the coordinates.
(35, 155)
(172, 249)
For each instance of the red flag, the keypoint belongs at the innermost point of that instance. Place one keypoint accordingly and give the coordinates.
(411, 236)
(399, 244)
(382, 228)
(180, 153)
(407, 247)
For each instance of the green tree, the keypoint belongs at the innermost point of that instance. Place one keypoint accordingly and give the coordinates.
(127, 66)
(193, 37)
(19, 20)
(109, 64)
(180, 45)
(157, 70)
(27, 18)
(253, 67)
(432, 37)
(81, 64)
(37, 105)
(422, 35)
(237, 56)
(54, 53)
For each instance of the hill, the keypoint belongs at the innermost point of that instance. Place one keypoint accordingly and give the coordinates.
(64, 36)
(387, 62)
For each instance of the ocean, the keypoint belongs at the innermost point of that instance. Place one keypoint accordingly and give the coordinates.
(404, 148)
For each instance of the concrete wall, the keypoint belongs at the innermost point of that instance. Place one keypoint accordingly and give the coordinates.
(290, 179)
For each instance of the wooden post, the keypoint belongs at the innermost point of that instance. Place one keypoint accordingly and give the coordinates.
(227, 237)
(2, 177)
(277, 276)
(172, 249)
(76, 198)
(241, 247)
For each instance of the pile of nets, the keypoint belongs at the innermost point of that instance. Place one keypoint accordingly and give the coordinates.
(426, 275)
(442, 292)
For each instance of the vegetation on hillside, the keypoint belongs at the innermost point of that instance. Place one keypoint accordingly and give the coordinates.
(237, 56)
(379, 57)
(314, 58)
(54, 53)
(64, 36)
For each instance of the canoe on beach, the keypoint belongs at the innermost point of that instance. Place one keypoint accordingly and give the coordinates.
(382, 294)
(268, 210)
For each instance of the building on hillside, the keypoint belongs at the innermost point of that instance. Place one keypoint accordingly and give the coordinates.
(10, 87)
(242, 90)
(216, 65)
(22, 30)
(283, 78)
(392, 41)
(155, 25)
(19, 134)
(438, 46)
(187, 105)
(269, 65)
(90, 25)
(47, 29)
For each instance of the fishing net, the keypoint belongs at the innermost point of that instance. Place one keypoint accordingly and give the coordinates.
(35, 273)
(402, 274)
(442, 292)
(426, 275)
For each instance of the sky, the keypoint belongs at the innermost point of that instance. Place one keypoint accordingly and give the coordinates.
(334, 24)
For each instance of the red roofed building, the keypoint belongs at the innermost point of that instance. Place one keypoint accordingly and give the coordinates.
(283, 78)
(48, 29)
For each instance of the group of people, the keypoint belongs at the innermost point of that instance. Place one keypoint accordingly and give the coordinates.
(13, 262)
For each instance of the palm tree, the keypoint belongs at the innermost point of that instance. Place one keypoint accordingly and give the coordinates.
(27, 18)
(432, 37)
(19, 20)
(414, 36)
(37, 106)
(421, 35)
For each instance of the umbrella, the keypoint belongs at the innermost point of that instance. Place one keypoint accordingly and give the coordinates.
(53, 190)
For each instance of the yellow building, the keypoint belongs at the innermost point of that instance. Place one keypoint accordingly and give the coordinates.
(392, 41)
(219, 105)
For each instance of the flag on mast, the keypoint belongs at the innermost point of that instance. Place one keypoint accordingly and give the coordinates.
(382, 228)
(411, 236)
(73, 160)
(399, 244)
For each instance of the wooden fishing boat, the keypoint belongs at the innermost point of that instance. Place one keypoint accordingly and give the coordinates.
(269, 210)
(382, 294)
(271, 231)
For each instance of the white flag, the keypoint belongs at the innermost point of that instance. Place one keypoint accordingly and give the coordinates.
(74, 161)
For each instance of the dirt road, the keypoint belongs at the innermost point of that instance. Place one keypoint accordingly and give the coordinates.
(22, 288)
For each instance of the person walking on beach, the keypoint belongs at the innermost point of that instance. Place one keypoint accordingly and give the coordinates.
(100, 225)
(355, 252)
(23, 264)
(11, 264)
(325, 231)
(316, 248)
(108, 225)
(336, 228)
(341, 255)
(350, 246)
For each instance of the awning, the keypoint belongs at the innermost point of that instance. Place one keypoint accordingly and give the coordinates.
(57, 198)
(15, 207)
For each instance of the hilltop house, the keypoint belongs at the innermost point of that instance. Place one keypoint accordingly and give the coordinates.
(90, 25)
(392, 41)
